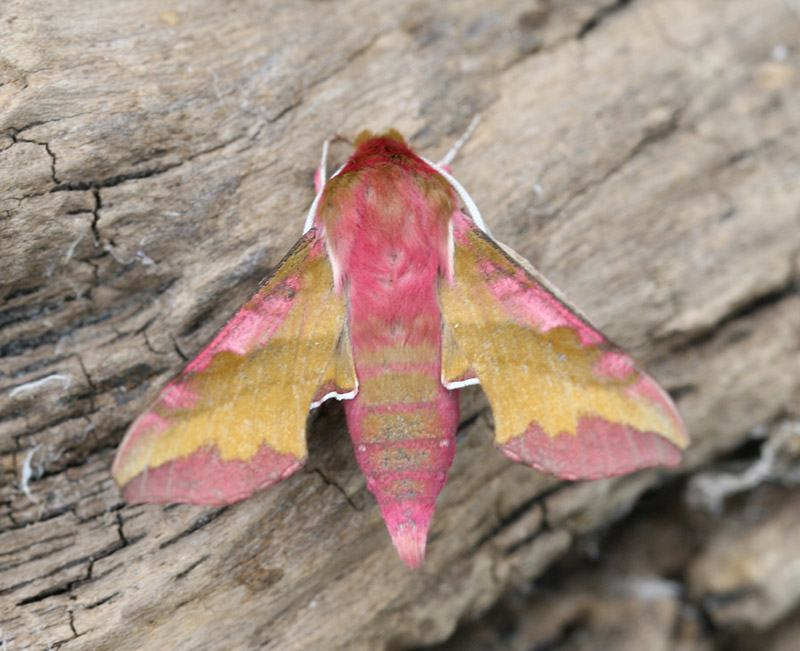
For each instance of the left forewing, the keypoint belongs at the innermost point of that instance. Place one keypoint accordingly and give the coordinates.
(233, 421)
(565, 400)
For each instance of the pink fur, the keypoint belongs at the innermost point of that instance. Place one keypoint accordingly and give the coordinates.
(319, 179)
(389, 240)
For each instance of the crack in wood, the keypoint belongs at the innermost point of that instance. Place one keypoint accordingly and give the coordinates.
(201, 522)
(652, 135)
(746, 310)
(184, 572)
(537, 501)
(332, 483)
(67, 586)
(601, 16)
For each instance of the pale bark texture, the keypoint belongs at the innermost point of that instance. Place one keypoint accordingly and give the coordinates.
(156, 161)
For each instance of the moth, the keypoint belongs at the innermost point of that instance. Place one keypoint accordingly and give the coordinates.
(394, 298)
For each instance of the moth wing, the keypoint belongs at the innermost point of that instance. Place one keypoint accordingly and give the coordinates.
(565, 400)
(234, 420)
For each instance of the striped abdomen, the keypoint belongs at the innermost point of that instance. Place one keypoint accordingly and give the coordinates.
(403, 424)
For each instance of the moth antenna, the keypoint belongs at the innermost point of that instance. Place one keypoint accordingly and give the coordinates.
(450, 155)
(311, 212)
(320, 178)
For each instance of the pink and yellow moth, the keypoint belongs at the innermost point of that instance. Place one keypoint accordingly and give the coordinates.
(393, 299)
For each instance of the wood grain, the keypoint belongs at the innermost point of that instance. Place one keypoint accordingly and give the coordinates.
(156, 163)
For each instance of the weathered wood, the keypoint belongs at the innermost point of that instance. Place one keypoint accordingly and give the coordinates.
(155, 164)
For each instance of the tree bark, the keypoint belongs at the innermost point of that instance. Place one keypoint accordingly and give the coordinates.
(155, 164)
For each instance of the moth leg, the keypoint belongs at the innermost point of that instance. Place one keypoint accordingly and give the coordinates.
(321, 173)
(321, 178)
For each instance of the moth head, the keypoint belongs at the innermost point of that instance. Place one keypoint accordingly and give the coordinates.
(367, 135)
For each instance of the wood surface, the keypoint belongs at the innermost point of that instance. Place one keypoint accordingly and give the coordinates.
(156, 161)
